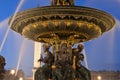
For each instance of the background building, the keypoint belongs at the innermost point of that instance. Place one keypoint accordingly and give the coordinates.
(105, 75)
(14, 75)
(100, 75)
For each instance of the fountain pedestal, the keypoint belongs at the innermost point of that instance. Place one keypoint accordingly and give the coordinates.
(62, 64)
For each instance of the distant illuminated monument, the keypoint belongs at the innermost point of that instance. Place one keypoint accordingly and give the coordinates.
(37, 52)
(60, 26)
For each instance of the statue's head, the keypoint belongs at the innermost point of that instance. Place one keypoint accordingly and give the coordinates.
(64, 47)
(80, 47)
(81, 57)
(46, 47)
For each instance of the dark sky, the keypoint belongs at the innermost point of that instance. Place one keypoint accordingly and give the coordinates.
(103, 53)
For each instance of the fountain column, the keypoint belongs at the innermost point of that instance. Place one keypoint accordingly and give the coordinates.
(37, 52)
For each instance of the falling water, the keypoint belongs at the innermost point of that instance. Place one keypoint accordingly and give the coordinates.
(4, 22)
(117, 23)
(6, 34)
(102, 51)
(85, 58)
(3, 27)
(23, 45)
(119, 1)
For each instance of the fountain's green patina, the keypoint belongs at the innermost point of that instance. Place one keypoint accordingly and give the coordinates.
(62, 66)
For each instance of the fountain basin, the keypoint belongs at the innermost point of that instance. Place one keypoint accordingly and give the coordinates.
(71, 24)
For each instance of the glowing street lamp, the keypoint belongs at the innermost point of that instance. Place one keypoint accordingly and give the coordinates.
(20, 78)
(99, 77)
(12, 72)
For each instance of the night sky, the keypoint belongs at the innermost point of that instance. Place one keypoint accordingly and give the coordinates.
(102, 53)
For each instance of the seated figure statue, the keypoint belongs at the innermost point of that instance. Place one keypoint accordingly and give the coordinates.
(61, 56)
(81, 72)
(63, 70)
(48, 59)
(44, 72)
(59, 66)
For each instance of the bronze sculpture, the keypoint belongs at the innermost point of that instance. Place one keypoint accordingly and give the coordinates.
(62, 68)
(62, 25)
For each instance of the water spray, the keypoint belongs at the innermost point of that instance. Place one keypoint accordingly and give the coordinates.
(117, 23)
(20, 56)
(85, 57)
(4, 22)
(11, 22)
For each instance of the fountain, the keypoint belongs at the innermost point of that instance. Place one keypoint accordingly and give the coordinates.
(60, 26)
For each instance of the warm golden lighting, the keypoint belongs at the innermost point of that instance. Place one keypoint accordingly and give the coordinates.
(12, 72)
(20, 78)
(99, 77)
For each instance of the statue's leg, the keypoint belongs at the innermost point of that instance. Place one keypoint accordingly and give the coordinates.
(43, 73)
(38, 74)
(56, 74)
(84, 73)
(68, 73)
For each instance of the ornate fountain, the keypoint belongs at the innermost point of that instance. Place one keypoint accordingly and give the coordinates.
(60, 26)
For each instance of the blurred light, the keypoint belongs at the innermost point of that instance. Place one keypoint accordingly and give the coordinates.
(99, 77)
(20, 78)
(12, 72)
